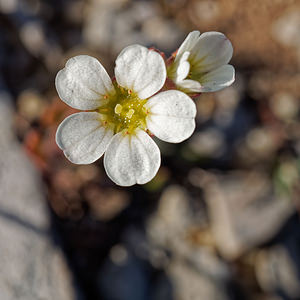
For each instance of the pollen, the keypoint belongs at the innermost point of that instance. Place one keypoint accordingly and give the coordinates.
(130, 113)
(124, 111)
(118, 109)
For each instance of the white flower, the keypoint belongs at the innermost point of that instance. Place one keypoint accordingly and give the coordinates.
(121, 114)
(201, 63)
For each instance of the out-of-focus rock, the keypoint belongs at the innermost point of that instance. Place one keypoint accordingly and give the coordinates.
(190, 284)
(208, 143)
(31, 105)
(31, 266)
(173, 217)
(118, 255)
(8, 6)
(206, 11)
(194, 270)
(162, 32)
(110, 26)
(97, 27)
(244, 210)
(260, 146)
(262, 142)
(286, 29)
(276, 272)
(33, 37)
(285, 106)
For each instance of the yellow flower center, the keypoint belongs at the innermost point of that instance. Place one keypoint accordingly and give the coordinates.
(124, 110)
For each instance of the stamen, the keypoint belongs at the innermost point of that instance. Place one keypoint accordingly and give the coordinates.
(123, 110)
(130, 113)
(118, 108)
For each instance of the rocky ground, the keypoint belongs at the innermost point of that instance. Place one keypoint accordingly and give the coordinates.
(221, 218)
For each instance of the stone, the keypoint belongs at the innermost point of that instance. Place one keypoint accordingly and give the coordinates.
(209, 142)
(8, 6)
(190, 284)
(285, 106)
(193, 269)
(33, 37)
(32, 267)
(112, 25)
(244, 210)
(275, 271)
(286, 29)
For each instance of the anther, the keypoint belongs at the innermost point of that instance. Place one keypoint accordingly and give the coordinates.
(130, 113)
(118, 108)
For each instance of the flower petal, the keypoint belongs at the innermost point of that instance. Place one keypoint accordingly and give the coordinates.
(83, 83)
(211, 51)
(132, 158)
(172, 116)
(183, 67)
(140, 70)
(83, 138)
(188, 44)
(218, 79)
(190, 86)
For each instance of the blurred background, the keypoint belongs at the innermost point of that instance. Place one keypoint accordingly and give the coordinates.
(220, 221)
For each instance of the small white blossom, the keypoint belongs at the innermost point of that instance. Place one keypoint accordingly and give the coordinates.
(121, 114)
(201, 63)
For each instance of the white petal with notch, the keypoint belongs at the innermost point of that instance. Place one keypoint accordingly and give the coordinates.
(140, 70)
(132, 158)
(83, 138)
(211, 51)
(83, 82)
(172, 116)
(188, 44)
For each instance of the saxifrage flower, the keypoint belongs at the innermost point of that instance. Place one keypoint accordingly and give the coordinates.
(121, 114)
(201, 63)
